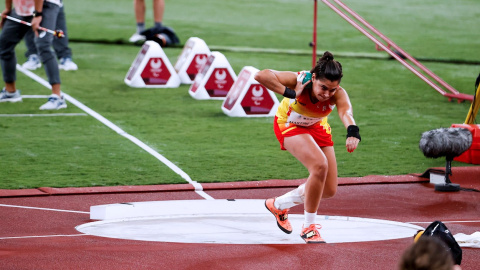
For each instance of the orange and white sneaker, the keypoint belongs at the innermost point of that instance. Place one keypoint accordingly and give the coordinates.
(281, 216)
(311, 235)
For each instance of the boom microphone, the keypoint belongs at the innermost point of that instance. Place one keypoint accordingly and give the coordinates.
(449, 143)
(445, 142)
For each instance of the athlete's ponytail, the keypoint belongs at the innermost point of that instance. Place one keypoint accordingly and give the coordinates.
(328, 68)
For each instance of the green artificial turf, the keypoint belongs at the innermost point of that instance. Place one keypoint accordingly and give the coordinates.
(392, 106)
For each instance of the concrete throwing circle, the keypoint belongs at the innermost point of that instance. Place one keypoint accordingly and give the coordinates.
(240, 227)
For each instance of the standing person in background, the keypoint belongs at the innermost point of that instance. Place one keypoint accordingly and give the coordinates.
(139, 7)
(60, 45)
(301, 127)
(41, 13)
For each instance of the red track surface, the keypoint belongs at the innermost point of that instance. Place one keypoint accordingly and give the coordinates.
(398, 198)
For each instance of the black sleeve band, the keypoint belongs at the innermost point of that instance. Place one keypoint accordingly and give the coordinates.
(353, 131)
(289, 93)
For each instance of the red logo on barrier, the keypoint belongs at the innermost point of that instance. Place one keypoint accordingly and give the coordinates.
(257, 100)
(155, 72)
(197, 63)
(219, 83)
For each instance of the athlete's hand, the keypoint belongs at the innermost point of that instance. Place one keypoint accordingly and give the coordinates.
(352, 144)
(300, 86)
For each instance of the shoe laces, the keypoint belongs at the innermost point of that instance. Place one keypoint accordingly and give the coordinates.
(313, 227)
(283, 215)
(54, 98)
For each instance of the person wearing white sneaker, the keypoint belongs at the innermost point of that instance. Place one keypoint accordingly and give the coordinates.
(6, 96)
(55, 102)
(33, 62)
(139, 7)
(60, 45)
(44, 13)
(66, 63)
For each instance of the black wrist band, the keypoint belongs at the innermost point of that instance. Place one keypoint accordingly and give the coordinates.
(37, 14)
(289, 93)
(353, 131)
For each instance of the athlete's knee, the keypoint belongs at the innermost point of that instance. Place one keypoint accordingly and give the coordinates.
(329, 192)
(319, 169)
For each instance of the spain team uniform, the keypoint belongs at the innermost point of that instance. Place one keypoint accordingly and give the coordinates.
(301, 115)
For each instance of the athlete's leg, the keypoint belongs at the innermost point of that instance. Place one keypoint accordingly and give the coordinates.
(331, 182)
(297, 196)
(305, 149)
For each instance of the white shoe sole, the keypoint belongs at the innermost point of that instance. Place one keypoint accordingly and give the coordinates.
(67, 69)
(52, 109)
(32, 68)
(12, 100)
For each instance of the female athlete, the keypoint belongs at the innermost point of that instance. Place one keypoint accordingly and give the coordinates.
(302, 129)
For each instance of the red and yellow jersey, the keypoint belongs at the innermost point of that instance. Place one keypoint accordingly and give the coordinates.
(303, 112)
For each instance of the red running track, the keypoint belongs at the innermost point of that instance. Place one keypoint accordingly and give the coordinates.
(32, 238)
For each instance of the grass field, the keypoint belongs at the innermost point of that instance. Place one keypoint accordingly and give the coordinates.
(391, 105)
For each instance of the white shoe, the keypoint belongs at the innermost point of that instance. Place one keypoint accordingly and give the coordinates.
(10, 97)
(54, 103)
(136, 38)
(66, 63)
(33, 62)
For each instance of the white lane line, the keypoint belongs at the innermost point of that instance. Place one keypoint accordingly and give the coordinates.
(35, 96)
(198, 187)
(451, 221)
(40, 236)
(47, 209)
(43, 115)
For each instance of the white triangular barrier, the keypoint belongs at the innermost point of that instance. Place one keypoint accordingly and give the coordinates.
(248, 98)
(214, 80)
(194, 55)
(152, 69)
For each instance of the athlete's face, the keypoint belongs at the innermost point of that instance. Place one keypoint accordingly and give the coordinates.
(324, 89)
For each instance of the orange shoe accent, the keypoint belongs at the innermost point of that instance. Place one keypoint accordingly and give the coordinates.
(311, 235)
(280, 215)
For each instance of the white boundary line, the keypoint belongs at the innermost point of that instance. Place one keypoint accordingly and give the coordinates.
(39, 236)
(47, 209)
(43, 115)
(451, 221)
(35, 96)
(198, 187)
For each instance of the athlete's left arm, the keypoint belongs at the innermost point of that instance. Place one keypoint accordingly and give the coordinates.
(345, 112)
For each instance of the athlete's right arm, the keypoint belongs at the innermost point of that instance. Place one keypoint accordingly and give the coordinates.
(277, 80)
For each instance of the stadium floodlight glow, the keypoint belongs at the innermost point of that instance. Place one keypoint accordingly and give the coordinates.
(57, 33)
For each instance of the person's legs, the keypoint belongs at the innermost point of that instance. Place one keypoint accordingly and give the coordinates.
(331, 182)
(139, 8)
(11, 34)
(60, 45)
(33, 62)
(158, 11)
(297, 196)
(29, 43)
(316, 160)
(305, 149)
(44, 42)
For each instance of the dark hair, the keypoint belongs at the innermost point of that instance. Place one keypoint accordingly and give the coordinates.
(428, 253)
(327, 68)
